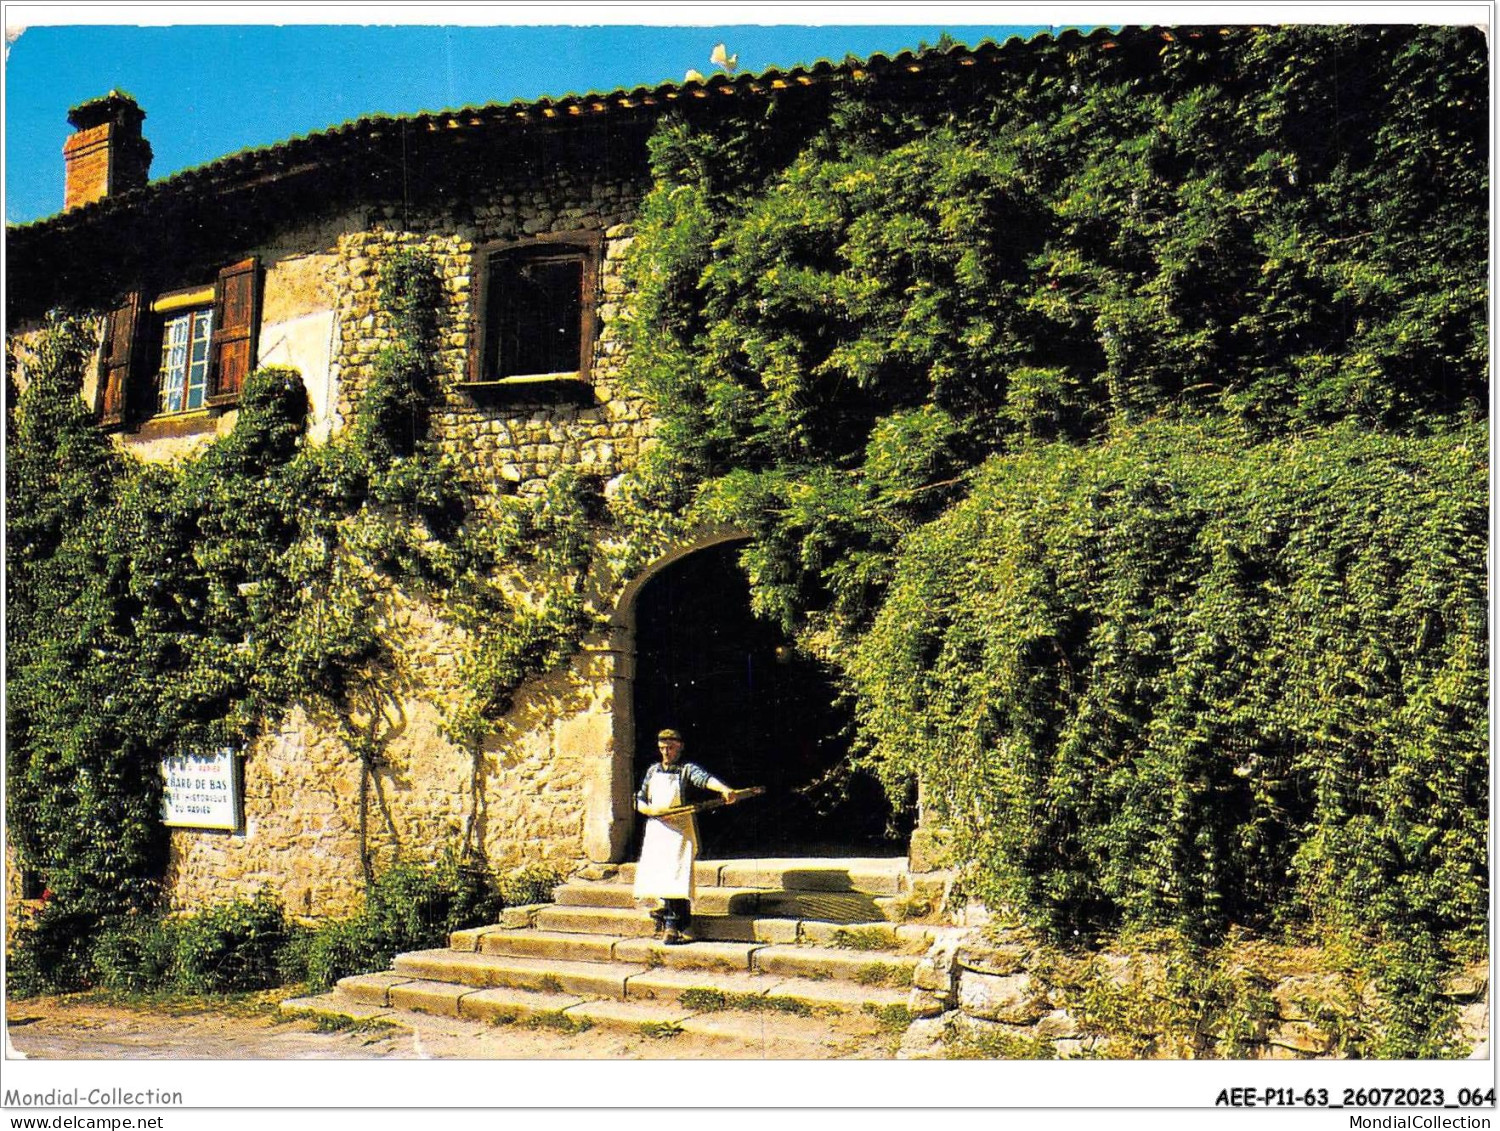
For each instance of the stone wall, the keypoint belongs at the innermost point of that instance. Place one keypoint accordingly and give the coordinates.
(547, 785)
(995, 992)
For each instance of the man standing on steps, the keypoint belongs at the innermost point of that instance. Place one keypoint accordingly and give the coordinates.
(670, 845)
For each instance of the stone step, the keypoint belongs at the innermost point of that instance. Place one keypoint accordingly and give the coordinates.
(482, 971)
(870, 875)
(693, 956)
(596, 921)
(864, 967)
(806, 1037)
(861, 968)
(371, 989)
(710, 900)
(495, 1004)
(638, 924)
(440, 982)
(710, 989)
(829, 906)
(879, 935)
(549, 944)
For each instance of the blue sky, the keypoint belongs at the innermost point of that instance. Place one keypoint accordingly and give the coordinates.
(209, 91)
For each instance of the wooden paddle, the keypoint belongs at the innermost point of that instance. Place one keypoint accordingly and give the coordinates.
(714, 803)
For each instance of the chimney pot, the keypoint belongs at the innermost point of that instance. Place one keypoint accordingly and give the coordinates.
(107, 154)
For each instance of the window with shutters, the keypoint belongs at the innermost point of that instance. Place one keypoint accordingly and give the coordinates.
(180, 352)
(535, 310)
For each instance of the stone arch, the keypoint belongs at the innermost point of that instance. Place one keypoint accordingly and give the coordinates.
(689, 652)
(611, 811)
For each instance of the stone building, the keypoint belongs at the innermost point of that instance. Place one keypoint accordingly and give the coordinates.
(271, 257)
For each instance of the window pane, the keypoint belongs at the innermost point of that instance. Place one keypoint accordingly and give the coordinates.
(197, 381)
(535, 314)
(174, 352)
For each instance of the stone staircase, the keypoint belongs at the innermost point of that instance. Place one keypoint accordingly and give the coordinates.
(809, 944)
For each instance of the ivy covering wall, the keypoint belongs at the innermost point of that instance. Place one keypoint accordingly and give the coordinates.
(171, 609)
(1112, 418)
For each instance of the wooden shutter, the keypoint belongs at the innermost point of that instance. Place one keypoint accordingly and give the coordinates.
(117, 363)
(236, 320)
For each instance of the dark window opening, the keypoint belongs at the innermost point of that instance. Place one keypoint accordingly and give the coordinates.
(536, 312)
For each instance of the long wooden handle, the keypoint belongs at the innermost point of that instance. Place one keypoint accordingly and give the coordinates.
(714, 803)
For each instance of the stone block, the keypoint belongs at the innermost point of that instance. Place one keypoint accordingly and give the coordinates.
(1058, 1025)
(1301, 1038)
(929, 849)
(546, 944)
(522, 915)
(841, 997)
(1468, 984)
(1295, 994)
(698, 956)
(1071, 1048)
(925, 1003)
(470, 940)
(776, 930)
(923, 1040)
(440, 998)
(502, 1005)
(370, 989)
(932, 975)
(1008, 998)
(1474, 1022)
(987, 958)
(860, 936)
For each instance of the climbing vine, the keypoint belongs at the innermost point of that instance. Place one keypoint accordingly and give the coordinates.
(1114, 423)
(163, 609)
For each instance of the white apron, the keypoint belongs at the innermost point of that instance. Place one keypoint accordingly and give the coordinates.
(669, 847)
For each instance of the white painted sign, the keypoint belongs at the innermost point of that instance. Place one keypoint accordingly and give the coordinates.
(202, 792)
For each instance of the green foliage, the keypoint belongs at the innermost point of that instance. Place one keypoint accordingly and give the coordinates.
(529, 884)
(408, 907)
(883, 974)
(1184, 680)
(157, 610)
(227, 948)
(230, 947)
(135, 954)
(1414, 1019)
(341, 948)
(392, 421)
(1114, 421)
(895, 1018)
(1158, 994)
(1284, 226)
(343, 1023)
(996, 1045)
(82, 787)
(1177, 1001)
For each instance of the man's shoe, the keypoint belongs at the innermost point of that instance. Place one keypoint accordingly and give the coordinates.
(673, 937)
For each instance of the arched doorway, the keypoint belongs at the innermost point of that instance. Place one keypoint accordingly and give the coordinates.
(754, 712)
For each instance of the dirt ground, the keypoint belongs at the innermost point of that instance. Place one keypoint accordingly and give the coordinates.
(83, 1029)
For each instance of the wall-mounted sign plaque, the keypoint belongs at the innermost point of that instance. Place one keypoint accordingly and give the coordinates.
(202, 791)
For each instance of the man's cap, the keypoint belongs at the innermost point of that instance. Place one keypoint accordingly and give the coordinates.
(669, 733)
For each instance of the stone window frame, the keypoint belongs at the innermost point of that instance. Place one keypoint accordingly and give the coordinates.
(587, 246)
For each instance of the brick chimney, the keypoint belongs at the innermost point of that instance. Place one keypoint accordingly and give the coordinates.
(107, 155)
